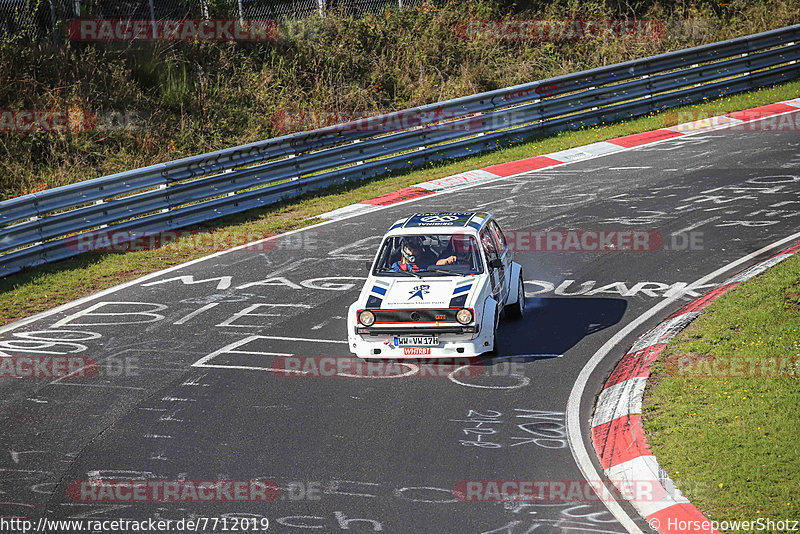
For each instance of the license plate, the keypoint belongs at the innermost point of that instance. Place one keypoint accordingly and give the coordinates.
(417, 351)
(416, 341)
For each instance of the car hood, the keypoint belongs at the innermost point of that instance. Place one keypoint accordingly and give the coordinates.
(431, 292)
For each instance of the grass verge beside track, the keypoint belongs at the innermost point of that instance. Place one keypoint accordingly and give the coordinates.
(48, 286)
(729, 440)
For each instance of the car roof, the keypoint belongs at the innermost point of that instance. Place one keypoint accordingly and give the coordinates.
(441, 222)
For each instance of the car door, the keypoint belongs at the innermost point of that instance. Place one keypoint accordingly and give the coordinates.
(496, 275)
(506, 256)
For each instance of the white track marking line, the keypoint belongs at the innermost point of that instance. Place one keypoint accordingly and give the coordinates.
(282, 338)
(94, 385)
(226, 348)
(196, 313)
(250, 368)
(229, 349)
(256, 353)
(156, 274)
(574, 427)
(695, 225)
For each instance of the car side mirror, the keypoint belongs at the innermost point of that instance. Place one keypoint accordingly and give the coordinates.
(496, 263)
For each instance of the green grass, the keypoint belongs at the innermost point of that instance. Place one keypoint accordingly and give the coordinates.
(731, 444)
(45, 287)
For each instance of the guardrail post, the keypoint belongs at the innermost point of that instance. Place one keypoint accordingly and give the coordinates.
(153, 19)
(361, 161)
(164, 186)
(53, 22)
(297, 170)
(749, 63)
(649, 94)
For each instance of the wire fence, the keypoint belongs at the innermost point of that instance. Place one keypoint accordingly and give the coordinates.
(44, 19)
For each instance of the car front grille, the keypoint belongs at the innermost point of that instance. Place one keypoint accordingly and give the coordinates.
(447, 315)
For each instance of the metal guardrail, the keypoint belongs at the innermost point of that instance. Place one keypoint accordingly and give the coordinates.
(43, 227)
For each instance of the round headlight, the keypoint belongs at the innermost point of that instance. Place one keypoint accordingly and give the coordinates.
(464, 316)
(366, 318)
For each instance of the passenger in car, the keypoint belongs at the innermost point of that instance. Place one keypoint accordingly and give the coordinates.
(458, 252)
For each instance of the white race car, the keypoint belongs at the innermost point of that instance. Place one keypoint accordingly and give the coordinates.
(436, 289)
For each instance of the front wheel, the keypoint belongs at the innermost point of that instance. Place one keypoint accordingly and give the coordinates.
(517, 310)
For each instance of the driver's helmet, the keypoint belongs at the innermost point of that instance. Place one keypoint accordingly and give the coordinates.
(461, 244)
(411, 248)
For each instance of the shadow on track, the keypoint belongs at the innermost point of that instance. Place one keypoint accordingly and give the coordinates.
(551, 326)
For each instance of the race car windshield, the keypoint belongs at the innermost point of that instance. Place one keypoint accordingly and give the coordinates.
(429, 255)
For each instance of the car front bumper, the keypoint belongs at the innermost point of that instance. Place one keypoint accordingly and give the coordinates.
(451, 345)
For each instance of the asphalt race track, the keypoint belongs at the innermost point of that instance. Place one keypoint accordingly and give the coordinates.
(185, 392)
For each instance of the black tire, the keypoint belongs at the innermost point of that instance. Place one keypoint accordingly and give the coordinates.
(517, 310)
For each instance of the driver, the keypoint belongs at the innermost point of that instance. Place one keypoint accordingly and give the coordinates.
(458, 252)
(413, 255)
